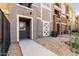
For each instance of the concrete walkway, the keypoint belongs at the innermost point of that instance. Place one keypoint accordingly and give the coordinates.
(31, 48)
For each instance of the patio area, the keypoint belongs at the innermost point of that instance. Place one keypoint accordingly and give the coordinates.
(57, 45)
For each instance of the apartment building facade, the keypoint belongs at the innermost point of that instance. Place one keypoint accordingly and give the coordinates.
(63, 19)
(59, 19)
(77, 22)
(35, 20)
(27, 20)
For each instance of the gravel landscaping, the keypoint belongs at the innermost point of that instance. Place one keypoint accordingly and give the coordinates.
(14, 50)
(56, 45)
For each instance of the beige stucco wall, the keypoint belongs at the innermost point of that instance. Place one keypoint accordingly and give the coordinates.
(52, 13)
(14, 11)
(37, 20)
(36, 13)
(45, 14)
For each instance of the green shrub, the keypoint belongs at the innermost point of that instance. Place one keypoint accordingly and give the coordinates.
(74, 42)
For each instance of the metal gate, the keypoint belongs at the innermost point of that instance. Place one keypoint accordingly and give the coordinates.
(4, 34)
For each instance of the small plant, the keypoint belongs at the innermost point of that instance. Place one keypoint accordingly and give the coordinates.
(70, 42)
(74, 42)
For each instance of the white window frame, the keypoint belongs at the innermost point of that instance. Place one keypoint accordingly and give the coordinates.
(24, 6)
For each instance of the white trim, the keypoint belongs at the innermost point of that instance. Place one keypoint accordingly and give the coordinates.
(50, 12)
(24, 7)
(63, 23)
(50, 18)
(18, 25)
(41, 18)
(44, 28)
(44, 6)
(17, 28)
(35, 5)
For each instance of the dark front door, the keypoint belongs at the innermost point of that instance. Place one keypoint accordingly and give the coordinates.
(58, 28)
(24, 28)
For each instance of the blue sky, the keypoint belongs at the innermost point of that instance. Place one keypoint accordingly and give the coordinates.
(76, 7)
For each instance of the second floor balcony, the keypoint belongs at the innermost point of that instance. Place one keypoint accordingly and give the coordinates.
(57, 13)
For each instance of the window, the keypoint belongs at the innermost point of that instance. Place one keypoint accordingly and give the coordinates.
(57, 13)
(22, 26)
(26, 4)
(67, 17)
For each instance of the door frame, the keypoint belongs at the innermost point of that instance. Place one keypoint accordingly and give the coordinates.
(31, 27)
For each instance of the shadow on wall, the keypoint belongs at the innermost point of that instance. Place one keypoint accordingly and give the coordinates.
(4, 34)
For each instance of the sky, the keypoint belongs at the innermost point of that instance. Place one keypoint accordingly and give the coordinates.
(76, 7)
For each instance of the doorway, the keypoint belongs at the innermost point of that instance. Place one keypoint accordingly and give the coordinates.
(58, 28)
(24, 28)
